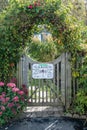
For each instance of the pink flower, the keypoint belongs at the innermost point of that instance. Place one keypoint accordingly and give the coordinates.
(13, 80)
(14, 111)
(30, 6)
(26, 91)
(11, 85)
(1, 84)
(22, 98)
(10, 105)
(7, 99)
(3, 100)
(16, 99)
(0, 113)
(23, 86)
(3, 94)
(15, 89)
(2, 108)
(21, 92)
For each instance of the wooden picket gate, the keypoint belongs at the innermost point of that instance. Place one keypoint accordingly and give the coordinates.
(43, 92)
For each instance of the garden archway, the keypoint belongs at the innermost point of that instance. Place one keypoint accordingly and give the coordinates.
(24, 17)
(49, 91)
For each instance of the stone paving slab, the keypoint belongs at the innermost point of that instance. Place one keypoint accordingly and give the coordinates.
(43, 111)
(46, 111)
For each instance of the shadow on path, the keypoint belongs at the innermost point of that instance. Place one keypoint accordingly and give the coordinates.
(44, 118)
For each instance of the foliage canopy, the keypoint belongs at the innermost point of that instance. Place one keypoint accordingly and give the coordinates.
(19, 22)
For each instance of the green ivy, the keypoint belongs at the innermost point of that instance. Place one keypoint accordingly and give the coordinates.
(47, 51)
(18, 22)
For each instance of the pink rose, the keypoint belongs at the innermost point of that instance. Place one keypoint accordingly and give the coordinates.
(30, 6)
(21, 92)
(2, 108)
(16, 99)
(0, 113)
(13, 80)
(1, 84)
(15, 89)
(23, 86)
(22, 98)
(7, 99)
(10, 105)
(3, 100)
(3, 94)
(26, 91)
(11, 85)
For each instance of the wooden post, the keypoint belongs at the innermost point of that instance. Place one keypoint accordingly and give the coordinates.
(68, 81)
(63, 80)
(19, 74)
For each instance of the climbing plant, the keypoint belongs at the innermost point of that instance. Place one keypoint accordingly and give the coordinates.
(20, 20)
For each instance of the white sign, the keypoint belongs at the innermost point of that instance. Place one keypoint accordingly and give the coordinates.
(42, 71)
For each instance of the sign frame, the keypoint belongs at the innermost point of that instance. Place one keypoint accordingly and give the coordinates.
(43, 71)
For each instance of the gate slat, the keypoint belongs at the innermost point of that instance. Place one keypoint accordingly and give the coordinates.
(50, 95)
(63, 73)
(53, 86)
(39, 92)
(57, 81)
(31, 94)
(46, 91)
(35, 92)
(58, 76)
(42, 91)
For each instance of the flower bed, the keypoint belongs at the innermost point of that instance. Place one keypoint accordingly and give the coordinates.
(12, 101)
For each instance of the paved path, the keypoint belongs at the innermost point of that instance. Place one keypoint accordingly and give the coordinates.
(45, 118)
(46, 123)
(43, 111)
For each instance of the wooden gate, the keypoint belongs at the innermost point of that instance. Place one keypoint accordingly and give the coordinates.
(47, 91)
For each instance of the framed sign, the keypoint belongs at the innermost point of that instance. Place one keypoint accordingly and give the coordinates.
(42, 71)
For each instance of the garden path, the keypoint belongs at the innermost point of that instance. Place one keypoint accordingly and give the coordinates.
(45, 118)
(43, 111)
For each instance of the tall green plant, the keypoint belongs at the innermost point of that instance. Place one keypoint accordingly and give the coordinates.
(80, 103)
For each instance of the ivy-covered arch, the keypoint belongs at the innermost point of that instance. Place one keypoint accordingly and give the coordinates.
(17, 25)
(27, 16)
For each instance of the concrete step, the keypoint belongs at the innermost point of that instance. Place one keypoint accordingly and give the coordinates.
(43, 111)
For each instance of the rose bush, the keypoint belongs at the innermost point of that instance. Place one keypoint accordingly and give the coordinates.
(12, 101)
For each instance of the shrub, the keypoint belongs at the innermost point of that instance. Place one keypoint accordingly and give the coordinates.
(80, 103)
(12, 101)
